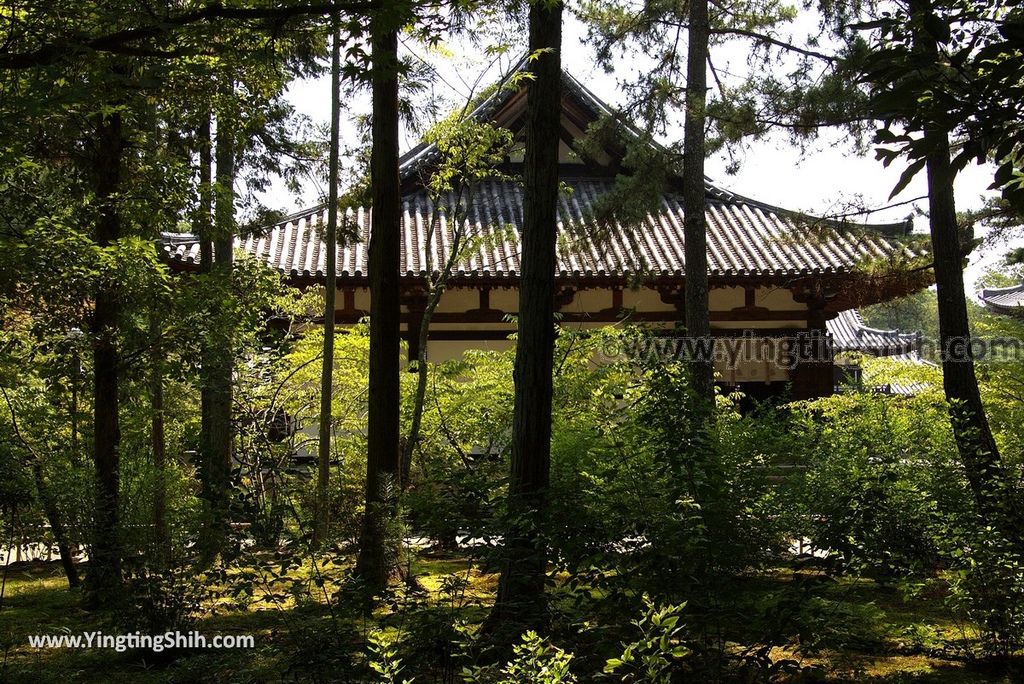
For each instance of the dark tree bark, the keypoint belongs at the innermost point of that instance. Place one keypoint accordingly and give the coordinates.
(204, 215)
(216, 442)
(104, 576)
(322, 513)
(203, 223)
(377, 560)
(698, 318)
(161, 537)
(975, 443)
(521, 587)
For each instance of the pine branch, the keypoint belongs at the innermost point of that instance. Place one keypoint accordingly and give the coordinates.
(118, 42)
(762, 37)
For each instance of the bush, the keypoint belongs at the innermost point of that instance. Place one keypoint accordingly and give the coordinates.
(659, 650)
(881, 478)
(158, 600)
(533, 660)
(987, 588)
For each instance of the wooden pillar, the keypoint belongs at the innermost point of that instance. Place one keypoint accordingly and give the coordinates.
(814, 374)
(416, 304)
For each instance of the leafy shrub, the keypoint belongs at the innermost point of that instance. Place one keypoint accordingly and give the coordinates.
(658, 652)
(384, 658)
(881, 478)
(533, 660)
(987, 587)
(158, 600)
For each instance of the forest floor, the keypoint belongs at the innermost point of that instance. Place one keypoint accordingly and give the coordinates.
(865, 632)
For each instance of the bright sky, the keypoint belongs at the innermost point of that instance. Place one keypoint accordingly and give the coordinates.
(827, 178)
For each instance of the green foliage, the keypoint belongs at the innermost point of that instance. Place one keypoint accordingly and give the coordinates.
(642, 484)
(533, 660)
(384, 658)
(469, 150)
(161, 599)
(880, 478)
(461, 462)
(954, 67)
(883, 488)
(656, 654)
(987, 587)
(916, 312)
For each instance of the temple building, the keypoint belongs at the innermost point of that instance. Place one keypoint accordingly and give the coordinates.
(774, 273)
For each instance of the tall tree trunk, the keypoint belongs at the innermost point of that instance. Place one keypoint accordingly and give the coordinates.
(975, 443)
(204, 214)
(978, 450)
(322, 513)
(377, 557)
(698, 318)
(521, 587)
(76, 372)
(203, 223)
(218, 437)
(104, 576)
(161, 538)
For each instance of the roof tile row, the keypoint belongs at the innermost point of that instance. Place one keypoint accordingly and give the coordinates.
(745, 238)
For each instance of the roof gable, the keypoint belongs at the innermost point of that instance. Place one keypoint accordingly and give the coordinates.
(505, 106)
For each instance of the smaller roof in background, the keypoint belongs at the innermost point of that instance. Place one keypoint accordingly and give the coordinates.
(851, 334)
(1005, 300)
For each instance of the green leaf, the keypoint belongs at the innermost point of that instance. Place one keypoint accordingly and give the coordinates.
(908, 175)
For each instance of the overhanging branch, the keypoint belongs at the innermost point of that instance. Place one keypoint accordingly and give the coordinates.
(119, 42)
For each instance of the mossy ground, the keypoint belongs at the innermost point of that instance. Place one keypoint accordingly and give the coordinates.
(884, 636)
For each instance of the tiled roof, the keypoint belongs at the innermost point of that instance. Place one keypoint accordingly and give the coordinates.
(1005, 299)
(849, 333)
(745, 238)
(897, 389)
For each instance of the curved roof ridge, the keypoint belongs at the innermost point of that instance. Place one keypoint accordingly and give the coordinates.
(1010, 289)
(1005, 300)
(851, 334)
(881, 331)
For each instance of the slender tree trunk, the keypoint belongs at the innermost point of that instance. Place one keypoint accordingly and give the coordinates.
(50, 509)
(521, 587)
(204, 215)
(218, 442)
(76, 372)
(435, 290)
(104, 576)
(377, 554)
(203, 223)
(975, 443)
(161, 537)
(60, 533)
(698, 318)
(978, 450)
(327, 372)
